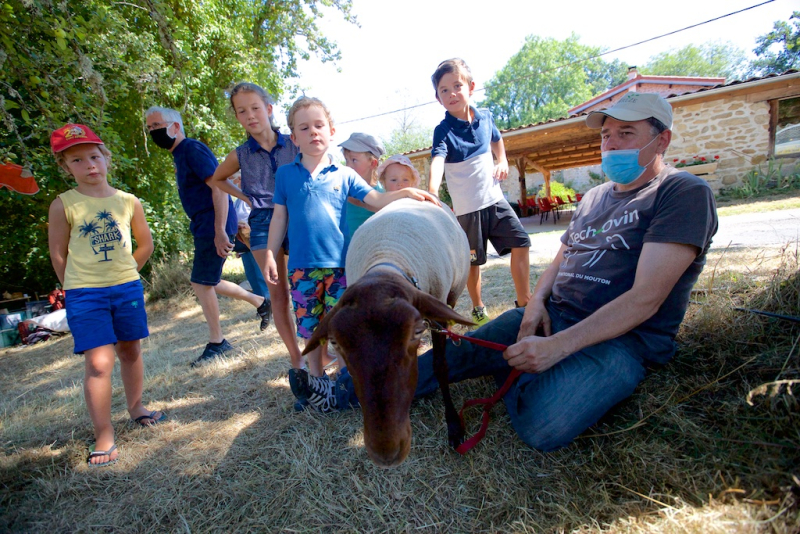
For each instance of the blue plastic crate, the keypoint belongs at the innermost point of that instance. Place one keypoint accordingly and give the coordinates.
(9, 338)
(11, 320)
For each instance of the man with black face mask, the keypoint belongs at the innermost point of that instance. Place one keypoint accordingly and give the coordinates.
(213, 223)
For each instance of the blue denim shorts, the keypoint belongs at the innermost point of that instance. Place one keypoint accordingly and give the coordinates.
(207, 264)
(100, 316)
(259, 229)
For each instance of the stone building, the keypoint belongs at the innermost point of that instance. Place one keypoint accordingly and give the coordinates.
(735, 126)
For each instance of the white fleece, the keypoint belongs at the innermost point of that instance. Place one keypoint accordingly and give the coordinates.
(423, 240)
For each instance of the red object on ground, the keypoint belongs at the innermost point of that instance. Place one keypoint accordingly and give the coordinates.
(56, 298)
(18, 179)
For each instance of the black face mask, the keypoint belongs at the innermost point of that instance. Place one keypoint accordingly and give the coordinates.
(162, 139)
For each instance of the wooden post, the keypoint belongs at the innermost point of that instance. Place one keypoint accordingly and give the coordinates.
(545, 173)
(523, 190)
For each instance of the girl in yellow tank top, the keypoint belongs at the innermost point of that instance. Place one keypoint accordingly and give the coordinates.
(89, 235)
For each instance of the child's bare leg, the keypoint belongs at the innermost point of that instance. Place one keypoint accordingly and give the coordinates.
(132, 371)
(231, 290)
(281, 305)
(520, 274)
(99, 364)
(314, 359)
(210, 305)
(474, 285)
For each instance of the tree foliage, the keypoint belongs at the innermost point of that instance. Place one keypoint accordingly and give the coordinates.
(408, 136)
(102, 64)
(778, 50)
(546, 78)
(709, 60)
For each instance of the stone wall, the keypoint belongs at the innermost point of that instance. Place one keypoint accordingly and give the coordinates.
(735, 130)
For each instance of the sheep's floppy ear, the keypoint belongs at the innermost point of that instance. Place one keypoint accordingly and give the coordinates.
(321, 331)
(434, 309)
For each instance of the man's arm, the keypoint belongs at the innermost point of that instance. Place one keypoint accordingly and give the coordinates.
(437, 171)
(501, 167)
(535, 311)
(220, 200)
(659, 268)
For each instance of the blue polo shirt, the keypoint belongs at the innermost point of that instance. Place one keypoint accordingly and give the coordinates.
(259, 167)
(468, 163)
(316, 206)
(194, 164)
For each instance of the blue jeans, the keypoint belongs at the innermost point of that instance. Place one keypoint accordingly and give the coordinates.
(550, 409)
(254, 275)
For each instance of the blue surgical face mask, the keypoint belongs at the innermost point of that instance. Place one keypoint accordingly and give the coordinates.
(622, 166)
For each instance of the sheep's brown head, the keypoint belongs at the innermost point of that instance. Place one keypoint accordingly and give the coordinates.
(376, 327)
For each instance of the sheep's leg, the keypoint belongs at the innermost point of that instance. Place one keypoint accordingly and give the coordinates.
(455, 432)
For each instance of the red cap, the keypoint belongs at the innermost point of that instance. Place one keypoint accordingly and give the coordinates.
(71, 135)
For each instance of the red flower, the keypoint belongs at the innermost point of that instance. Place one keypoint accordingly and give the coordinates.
(716, 157)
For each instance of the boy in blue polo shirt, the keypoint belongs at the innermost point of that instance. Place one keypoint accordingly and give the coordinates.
(310, 197)
(463, 145)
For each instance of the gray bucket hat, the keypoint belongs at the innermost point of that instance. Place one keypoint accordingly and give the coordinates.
(362, 142)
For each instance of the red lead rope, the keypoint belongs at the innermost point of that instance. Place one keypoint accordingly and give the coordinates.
(487, 402)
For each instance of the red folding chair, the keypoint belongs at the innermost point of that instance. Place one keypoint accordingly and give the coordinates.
(544, 209)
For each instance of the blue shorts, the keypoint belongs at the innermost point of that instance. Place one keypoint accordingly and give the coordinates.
(259, 229)
(100, 316)
(207, 264)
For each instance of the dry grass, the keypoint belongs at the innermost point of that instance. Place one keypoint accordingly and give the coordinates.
(686, 453)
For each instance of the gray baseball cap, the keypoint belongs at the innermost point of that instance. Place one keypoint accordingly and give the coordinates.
(634, 107)
(362, 142)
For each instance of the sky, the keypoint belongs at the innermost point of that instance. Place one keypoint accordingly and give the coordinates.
(387, 62)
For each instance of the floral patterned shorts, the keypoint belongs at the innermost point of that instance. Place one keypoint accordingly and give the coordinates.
(314, 292)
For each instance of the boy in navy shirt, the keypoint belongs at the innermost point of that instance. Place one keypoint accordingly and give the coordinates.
(463, 145)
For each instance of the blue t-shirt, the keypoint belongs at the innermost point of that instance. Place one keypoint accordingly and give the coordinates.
(317, 223)
(259, 167)
(468, 164)
(194, 164)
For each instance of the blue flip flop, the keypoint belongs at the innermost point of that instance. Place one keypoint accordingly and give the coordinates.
(94, 454)
(139, 420)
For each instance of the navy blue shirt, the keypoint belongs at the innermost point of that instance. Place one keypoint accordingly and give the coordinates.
(456, 140)
(259, 166)
(194, 164)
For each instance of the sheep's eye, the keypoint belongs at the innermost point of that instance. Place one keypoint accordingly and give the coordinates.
(332, 342)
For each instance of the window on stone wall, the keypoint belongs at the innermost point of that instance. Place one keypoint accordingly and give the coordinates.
(787, 131)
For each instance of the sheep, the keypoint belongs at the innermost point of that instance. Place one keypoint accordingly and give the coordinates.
(377, 324)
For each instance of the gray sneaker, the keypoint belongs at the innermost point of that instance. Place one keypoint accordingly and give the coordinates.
(213, 351)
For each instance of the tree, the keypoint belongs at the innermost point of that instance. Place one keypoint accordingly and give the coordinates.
(546, 78)
(102, 64)
(709, 60)
(778, 50)
(407, 137)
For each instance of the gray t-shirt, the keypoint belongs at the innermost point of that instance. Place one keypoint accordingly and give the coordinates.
(604, 241)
